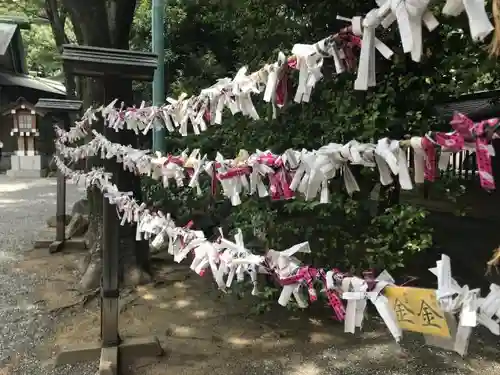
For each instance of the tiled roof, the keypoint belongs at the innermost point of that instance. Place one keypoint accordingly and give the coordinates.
(11, 47)
(56, 105)
(7, 31)
(97, 62)
(40, 84)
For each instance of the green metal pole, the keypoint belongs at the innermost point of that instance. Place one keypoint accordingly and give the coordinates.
(157, 31)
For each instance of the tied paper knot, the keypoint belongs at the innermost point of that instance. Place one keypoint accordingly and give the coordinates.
(308, 60)
(233, 179)
(303, 276)
(332, 292)
(329, 161)
(214, 101)
(365, 28)
(479, 23)
(140, 120)
(196, 164)
(306, 276)
(472, 310)
(424, 159)
(143, 218)
(391, 160)
(409, 15)
(178, 111)
(149, 225)
(175, 241)
(345, 54)
(172, 167)
(114, 118)
(489, 310)
(153, 118)
(188, 242)
(361, 154)
(276, 83)
(321, 171)
(261, 164)
(328, 48)
(279, 182)
(242, 88)
(136, 161)
(163, 235)
(237, 261)
(197, 113)
(285, 265)
(348, 45)
(342, 156)
(305, 163)
(358, 291)
(80, 130)
(480, 134)
(206, 255)
(126, 209)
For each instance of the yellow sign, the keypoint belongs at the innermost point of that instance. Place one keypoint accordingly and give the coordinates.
(417, 310)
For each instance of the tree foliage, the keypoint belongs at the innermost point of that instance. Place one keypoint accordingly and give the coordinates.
(209, 39)
(212, 39)
(43, 40)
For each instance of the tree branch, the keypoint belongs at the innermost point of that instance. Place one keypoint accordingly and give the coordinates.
(56, 23)
(90, 21)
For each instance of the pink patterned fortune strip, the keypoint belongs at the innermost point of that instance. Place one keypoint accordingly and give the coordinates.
(466, 131)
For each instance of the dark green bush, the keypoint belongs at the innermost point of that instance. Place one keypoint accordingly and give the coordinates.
(344, 233)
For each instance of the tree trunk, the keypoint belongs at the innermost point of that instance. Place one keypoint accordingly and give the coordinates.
(107, 24)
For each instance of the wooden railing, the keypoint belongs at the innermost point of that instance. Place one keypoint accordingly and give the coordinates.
(475, 202)
(462, 165)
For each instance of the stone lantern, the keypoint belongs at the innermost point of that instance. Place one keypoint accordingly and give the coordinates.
(25, 160)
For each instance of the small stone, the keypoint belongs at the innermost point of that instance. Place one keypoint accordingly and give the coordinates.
(78, 225)
(52, 221)
(135, 276)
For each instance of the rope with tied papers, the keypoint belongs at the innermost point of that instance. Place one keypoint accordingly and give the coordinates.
(228, 260)
(272, 80)
(305, 172)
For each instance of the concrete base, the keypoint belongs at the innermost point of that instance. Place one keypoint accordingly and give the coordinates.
(76, 244)
(46, 238)
(25, 173)
(56, 247)
(26, 166)
(110, 357)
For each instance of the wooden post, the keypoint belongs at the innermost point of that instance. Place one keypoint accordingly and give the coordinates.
(61, 109)
(108, 64)
(60, 214)
(109, 283)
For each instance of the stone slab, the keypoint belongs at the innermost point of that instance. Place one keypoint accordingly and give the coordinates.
(47, 236)
(108, 364)
(25, 173)
(26, 162)
(130, 348)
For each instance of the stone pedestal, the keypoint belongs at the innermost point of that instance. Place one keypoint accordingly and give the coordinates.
(26, 166)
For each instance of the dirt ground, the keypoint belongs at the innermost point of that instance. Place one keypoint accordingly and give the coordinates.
(204, 331)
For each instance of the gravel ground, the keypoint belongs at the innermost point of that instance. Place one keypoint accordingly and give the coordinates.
(25, 204)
